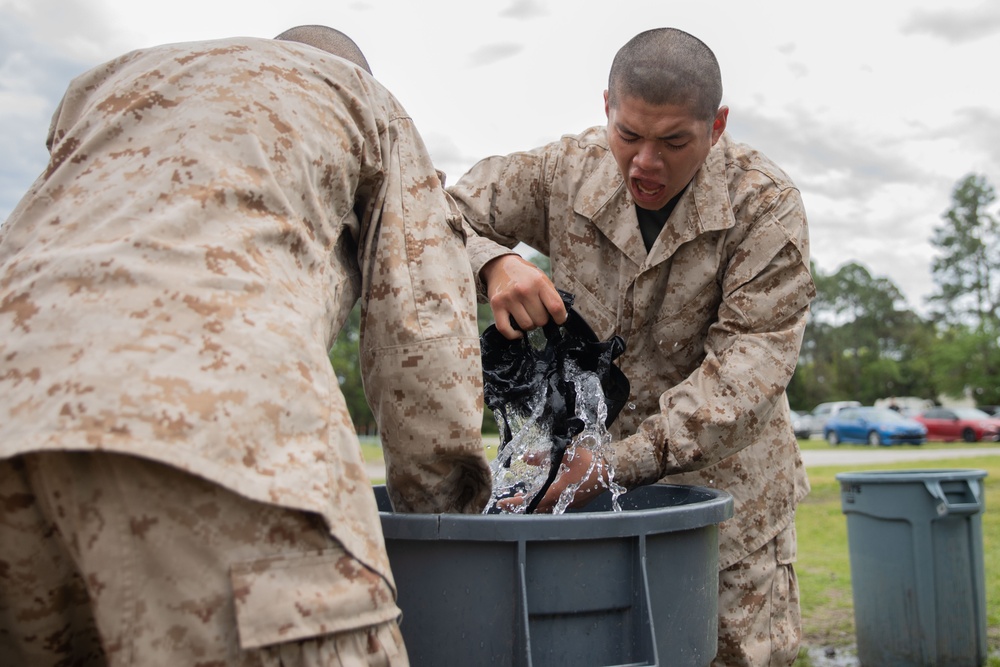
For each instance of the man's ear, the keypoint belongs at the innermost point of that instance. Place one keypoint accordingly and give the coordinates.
(719, 124)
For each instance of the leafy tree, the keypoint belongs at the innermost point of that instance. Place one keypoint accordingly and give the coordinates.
(857, 342)
(967, 270)
(484, 316)
(917, 371)
(967, 273)
(344, 355)
(964, 360)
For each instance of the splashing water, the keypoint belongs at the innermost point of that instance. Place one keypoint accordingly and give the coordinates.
(523, 465)
(593, 411)
(513, 470)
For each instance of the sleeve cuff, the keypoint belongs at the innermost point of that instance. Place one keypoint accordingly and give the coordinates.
(635, 461)
(481, 251)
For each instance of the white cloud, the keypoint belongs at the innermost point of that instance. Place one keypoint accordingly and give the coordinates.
(493, 53)
(956, 24)
(874, 119)
(524, 9)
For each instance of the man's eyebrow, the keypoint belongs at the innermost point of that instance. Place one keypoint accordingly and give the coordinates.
(622, 128)
(679, 134)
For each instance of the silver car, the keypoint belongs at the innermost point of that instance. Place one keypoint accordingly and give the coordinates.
(821, 414)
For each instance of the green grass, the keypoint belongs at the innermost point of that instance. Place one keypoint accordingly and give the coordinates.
(818, 443)
(371, 448)
(823, 566)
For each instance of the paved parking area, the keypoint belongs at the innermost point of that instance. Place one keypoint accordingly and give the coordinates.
(854, 456)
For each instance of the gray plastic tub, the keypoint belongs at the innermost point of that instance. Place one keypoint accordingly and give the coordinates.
(588, 588)
(916, 547)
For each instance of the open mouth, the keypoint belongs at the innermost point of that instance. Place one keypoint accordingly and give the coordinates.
(646, 190)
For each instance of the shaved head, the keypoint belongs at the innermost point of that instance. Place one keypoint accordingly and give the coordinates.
(329, 40)
(667, 66)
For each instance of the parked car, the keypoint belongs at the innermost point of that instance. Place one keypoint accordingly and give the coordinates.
(800, 424)
(968, 424)
(875, 426)
(991, 410)
(816, 420)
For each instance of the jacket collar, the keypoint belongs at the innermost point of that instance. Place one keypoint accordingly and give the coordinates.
(704, 207)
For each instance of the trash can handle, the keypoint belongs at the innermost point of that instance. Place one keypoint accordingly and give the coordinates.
(945, 507)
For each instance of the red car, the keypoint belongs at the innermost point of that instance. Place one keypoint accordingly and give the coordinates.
(968, 424)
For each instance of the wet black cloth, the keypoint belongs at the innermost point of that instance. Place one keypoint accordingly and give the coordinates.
(517, 375)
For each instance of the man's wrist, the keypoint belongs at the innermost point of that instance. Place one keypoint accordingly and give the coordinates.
(635, 461)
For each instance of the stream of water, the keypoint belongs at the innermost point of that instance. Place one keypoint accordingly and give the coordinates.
(523, 464)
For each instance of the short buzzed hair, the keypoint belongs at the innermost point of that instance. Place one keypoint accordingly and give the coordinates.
(667, 66)
(329, 40)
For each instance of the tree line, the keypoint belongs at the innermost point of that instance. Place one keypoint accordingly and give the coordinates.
(863, 341)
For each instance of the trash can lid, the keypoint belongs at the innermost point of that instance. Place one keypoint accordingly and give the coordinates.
(896, 476)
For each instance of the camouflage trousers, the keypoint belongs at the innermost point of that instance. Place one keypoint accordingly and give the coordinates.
(759, 620)
(107, 559)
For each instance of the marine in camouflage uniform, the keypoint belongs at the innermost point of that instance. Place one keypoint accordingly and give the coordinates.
(180, 481)
(712, 306)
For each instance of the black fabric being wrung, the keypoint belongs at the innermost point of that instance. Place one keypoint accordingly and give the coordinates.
(517, 375)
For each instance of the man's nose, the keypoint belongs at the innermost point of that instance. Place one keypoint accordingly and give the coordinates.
(649, 156)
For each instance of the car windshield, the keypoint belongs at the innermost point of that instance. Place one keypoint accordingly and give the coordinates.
(970, 413)
(883, 415)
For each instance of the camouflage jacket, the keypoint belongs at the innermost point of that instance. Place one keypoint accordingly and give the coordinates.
(713, 314)
(172, 283)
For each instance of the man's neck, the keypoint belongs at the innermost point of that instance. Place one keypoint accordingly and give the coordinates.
(651, 222)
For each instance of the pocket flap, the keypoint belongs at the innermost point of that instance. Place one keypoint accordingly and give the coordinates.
(292, 597)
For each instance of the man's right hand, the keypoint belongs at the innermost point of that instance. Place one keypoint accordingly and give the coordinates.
(519, 290)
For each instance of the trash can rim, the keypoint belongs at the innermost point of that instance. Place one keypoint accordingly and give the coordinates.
(715, 506)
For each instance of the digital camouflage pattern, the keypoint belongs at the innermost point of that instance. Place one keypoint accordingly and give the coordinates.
(171, 284)
(712, 315)
(760, 624)
(119, 560)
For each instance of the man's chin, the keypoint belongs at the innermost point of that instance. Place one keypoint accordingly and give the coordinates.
(651, 204)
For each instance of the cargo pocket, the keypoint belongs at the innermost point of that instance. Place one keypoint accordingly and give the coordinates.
(785, 616)
(786, 545)
(301, 596)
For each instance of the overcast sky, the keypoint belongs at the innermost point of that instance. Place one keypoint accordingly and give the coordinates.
(876, 108)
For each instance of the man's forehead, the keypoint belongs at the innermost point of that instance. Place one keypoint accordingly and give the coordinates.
(662, 120)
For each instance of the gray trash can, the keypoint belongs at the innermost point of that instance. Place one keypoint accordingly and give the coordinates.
(916, 548)
(588, 588)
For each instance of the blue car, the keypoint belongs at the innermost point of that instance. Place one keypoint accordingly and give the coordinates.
(874, 426)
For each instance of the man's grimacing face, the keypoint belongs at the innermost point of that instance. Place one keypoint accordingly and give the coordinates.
(659, 148)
